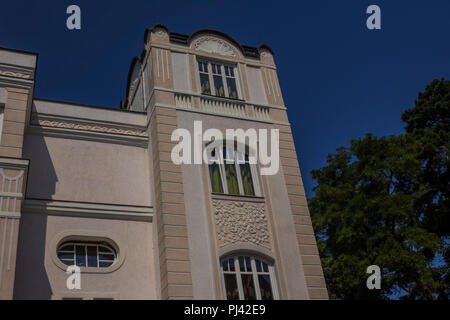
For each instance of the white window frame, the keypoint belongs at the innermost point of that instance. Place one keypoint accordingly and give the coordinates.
(86, 245)
(224, 78)
(254, 273)
(221, 162)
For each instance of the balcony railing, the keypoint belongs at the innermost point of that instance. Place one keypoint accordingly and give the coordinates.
(216, 105)
(261, 113)
(183, 101)
(222, 106)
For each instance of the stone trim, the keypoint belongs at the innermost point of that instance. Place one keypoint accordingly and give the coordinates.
(194, 94)
(219, 196)
(242, 248)
(170, 213)
(88, 210)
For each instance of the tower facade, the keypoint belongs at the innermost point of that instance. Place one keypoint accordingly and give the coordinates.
(101, 188)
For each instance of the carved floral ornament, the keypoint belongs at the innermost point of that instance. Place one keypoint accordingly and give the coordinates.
(241, 222)
(214, 46)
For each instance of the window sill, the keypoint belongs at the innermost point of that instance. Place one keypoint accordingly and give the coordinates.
(235, 197)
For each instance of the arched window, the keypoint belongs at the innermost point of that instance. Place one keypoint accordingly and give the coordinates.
(231, 172)
(87, 254)
(248, 278)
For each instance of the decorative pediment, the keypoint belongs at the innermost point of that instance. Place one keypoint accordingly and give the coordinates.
(215, 46)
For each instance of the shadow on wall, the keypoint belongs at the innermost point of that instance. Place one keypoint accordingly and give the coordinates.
(31, 280)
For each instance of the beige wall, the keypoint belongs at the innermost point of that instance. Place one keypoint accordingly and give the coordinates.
(38, 276)
(87, 171)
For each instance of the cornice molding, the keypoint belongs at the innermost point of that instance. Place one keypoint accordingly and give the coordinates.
(14, 163)
(136, 141)
(88, 210)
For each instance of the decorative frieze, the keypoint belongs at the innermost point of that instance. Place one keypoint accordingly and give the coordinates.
(241, 222)
(67, 124)
(16, 72)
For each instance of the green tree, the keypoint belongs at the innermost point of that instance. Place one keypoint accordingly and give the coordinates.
(429, 123)
(374, 205)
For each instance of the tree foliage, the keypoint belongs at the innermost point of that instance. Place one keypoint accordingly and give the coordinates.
(384, 201)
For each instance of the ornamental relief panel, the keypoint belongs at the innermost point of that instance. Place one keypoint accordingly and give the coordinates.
(214, 46)
(88, 127)
(241, 222)
(16, 74)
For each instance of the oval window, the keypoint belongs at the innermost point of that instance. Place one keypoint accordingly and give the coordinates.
(87, 254)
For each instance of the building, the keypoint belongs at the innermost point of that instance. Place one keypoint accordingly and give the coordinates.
(97, 187)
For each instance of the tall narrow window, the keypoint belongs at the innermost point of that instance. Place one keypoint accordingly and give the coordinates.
(231, 82)
(214, 172)
(248, 278)
(218, 81)
(231, 286)
(246, 175)
(204, 77)
(230, 170)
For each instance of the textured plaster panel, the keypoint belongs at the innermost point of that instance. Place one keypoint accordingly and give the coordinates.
(241, 222)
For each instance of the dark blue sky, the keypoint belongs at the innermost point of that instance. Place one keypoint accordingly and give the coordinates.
(339, 80)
